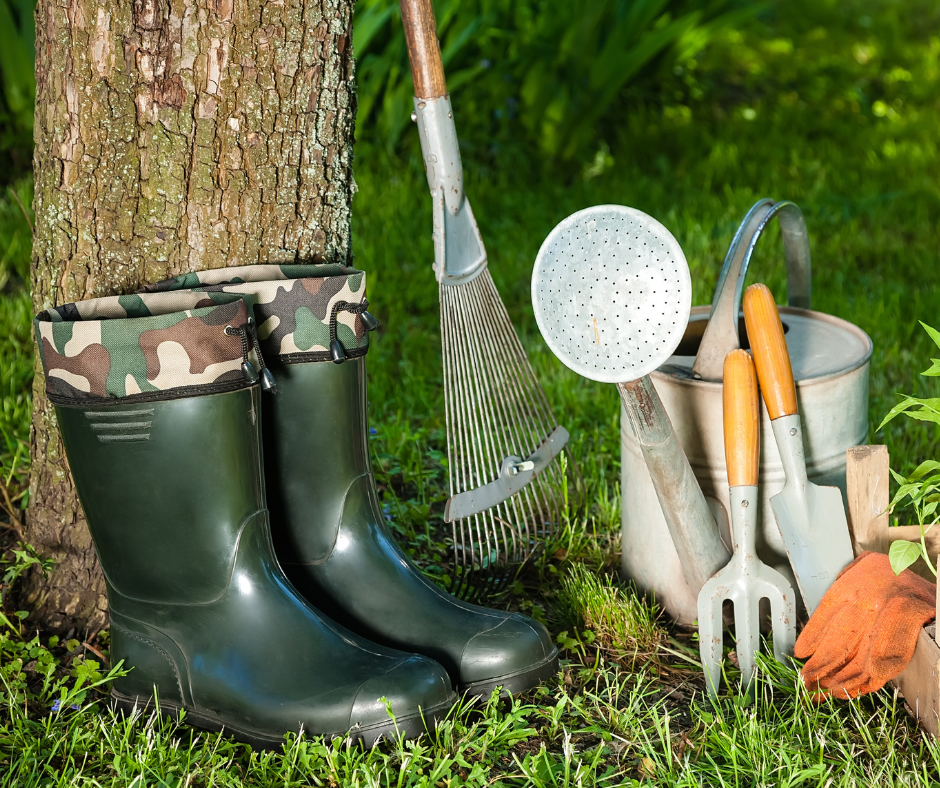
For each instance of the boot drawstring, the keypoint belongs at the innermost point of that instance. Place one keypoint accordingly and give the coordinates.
(337, 353)
(248, 333)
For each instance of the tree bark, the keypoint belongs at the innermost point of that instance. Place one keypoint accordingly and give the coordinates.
(173, 136)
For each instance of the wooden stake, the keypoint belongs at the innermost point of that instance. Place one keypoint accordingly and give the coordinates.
(866, 479)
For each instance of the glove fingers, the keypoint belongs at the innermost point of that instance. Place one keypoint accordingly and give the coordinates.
(849, 682)
(825, 676)
(852, 678)
(858, 581)
(888, 645)
(894, 637)
(865, 629)
(839, 643)
(853, 686)
(823, 694)
(817, 631)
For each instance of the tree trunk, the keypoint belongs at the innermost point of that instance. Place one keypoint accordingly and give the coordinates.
(173, 136)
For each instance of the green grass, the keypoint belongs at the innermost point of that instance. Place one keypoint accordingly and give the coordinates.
(16, 346)
(834, 105)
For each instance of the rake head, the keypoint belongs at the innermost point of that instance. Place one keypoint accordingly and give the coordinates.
(503, 443)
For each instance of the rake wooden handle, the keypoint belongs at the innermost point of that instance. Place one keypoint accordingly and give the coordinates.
(424, 51)
(771, 357)
(741, 419)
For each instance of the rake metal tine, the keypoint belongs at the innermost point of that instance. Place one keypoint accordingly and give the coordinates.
(494, 408)
(528, 417)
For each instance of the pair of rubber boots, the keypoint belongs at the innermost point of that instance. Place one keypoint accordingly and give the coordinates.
(329, 626)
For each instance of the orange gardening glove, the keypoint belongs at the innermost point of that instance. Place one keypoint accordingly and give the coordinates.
(864, 631)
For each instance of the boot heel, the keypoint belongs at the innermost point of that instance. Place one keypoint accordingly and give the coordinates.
(151, 667)
(127, 705)
(144, 705)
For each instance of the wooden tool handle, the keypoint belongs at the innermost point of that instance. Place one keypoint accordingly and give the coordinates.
(424, 51)
(741, 419)
(769, 348)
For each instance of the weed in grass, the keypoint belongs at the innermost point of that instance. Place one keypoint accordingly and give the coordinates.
(607, 618)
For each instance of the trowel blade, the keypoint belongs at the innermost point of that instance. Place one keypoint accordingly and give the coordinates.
(814, 528)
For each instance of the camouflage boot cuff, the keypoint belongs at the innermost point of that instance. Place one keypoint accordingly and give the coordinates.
(145, 347)
(304, 312)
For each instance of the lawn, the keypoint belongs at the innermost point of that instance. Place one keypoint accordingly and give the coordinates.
(834, 105)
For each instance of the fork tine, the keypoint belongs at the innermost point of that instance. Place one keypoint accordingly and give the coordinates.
(747, 632)
(710, 634)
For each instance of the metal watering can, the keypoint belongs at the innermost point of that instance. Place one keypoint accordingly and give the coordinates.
(830, 359)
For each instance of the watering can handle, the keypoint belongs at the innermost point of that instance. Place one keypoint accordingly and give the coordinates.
(424, 51)
(721, 333)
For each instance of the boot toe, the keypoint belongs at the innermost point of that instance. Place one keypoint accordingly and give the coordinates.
(417, 690)
(516, 654)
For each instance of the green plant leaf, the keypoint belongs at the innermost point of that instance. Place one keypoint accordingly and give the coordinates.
(901, 407)
(930, 415)
(934, 334)
(923, 469)
(902, 554)
(929, 410)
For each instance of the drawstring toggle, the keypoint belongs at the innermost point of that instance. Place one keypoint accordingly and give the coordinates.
(245, 333)
(337, 351)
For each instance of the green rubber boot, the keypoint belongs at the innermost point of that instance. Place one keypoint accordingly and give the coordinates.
(160, 419)
(330, 535)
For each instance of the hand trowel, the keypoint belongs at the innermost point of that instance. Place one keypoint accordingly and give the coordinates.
(811, 518)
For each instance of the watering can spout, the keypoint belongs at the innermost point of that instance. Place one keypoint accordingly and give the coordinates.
(691, 525)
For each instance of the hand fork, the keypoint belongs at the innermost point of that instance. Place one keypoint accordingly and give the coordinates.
(746, 579)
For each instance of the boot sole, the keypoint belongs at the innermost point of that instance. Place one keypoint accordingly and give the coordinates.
(513, 683)
(409, 727)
